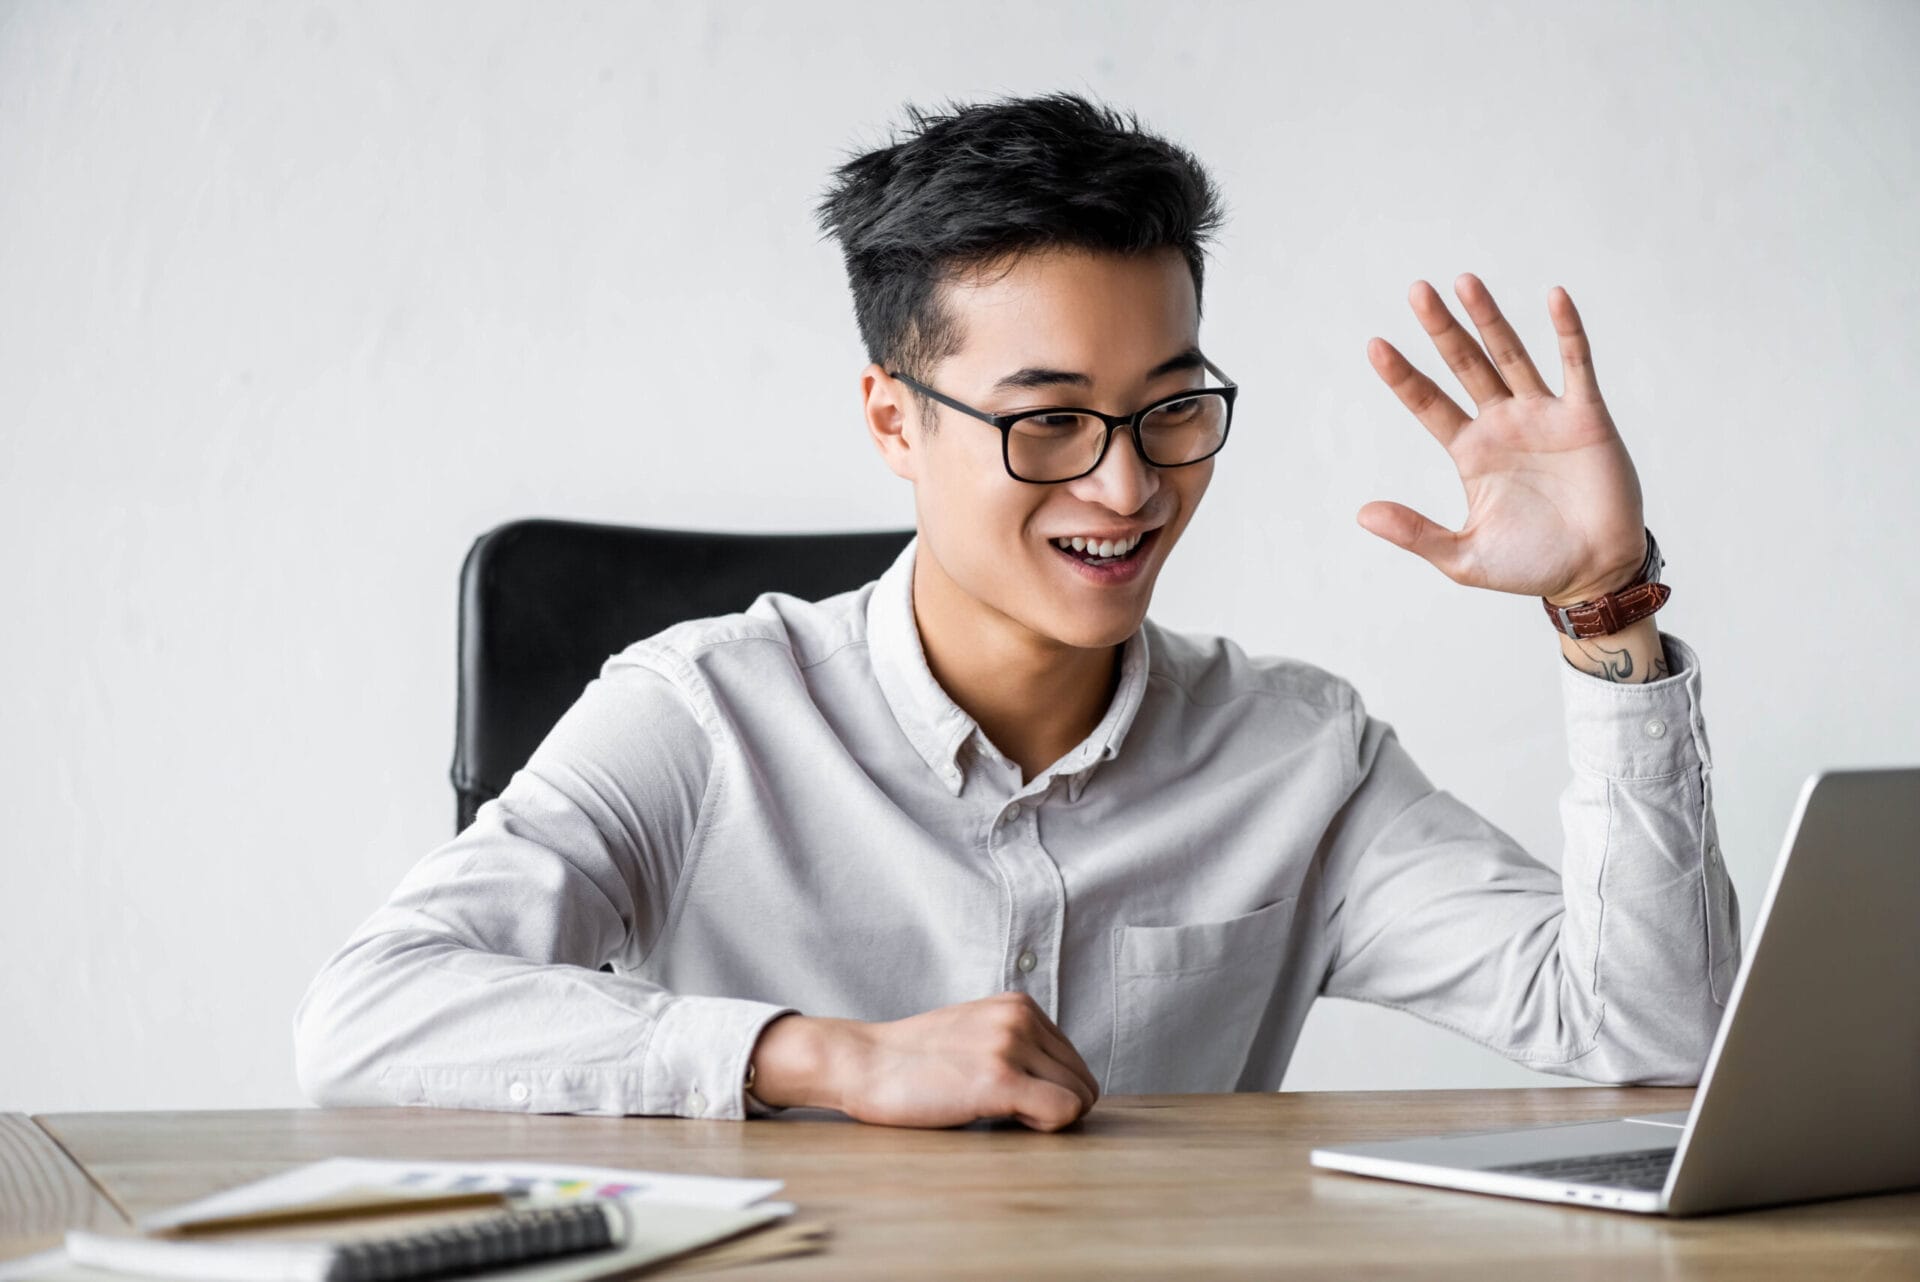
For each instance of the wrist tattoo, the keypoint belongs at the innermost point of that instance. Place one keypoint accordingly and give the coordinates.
(1617, 665)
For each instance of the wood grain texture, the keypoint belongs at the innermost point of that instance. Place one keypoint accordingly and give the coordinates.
(42, 1192)
(1143, 1187)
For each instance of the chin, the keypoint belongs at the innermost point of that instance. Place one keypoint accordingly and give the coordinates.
(1092, 634)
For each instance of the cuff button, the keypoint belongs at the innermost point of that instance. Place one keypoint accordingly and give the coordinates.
(518, 1092)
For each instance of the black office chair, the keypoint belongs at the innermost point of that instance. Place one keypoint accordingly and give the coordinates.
(543, 603)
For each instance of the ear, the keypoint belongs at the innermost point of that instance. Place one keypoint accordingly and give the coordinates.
(889, 421)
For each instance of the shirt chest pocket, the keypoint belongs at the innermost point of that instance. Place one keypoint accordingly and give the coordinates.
(1188, 999)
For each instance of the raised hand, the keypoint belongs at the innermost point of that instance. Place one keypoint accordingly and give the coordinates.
(1553, 502)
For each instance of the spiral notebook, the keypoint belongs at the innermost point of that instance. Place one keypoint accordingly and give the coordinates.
(576, 1242)
(352, 1219)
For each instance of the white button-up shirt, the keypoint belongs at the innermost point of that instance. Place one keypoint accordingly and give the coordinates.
(782, 810)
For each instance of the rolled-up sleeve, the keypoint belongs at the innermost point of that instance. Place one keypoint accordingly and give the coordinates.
(476, 985)
(1615, 969)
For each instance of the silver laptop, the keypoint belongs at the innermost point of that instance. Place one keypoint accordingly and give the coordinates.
(1812, 1088)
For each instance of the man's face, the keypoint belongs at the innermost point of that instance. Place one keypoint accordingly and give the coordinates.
(1113, 320)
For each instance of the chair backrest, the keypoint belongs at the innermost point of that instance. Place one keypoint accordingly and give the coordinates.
(543, 603)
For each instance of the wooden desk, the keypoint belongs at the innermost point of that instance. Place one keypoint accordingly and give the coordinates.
(1155, 1186)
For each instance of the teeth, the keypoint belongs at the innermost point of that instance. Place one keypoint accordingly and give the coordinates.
(1101, 548)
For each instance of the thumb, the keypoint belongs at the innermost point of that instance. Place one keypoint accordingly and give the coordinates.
(1403, 527)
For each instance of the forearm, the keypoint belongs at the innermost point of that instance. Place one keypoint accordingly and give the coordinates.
(1652, 925)
(1616, 967)
(1630, 656)
(405, 1017)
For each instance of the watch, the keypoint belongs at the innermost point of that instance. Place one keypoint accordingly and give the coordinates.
(1614, 611)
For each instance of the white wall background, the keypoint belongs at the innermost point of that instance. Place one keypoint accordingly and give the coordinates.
(298, 299)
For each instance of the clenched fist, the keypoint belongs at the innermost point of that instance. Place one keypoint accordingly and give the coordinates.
(999, 1056)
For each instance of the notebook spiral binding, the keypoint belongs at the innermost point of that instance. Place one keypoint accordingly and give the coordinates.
(508, 1238)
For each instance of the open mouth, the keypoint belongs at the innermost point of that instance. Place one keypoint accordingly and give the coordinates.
(1090, 556)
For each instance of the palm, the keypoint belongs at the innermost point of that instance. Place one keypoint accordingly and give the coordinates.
(1553, 502)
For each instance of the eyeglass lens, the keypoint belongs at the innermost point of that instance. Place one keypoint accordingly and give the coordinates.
(1056, 446)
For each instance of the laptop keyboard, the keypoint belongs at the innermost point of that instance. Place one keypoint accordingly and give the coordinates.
(1639, 1169)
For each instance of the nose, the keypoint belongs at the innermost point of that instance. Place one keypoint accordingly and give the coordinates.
(1123, 482)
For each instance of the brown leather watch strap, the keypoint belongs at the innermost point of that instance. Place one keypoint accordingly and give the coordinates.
(1629, 604)
(1610, 613)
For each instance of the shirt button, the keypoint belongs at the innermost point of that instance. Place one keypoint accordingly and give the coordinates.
(1655, 728)
(518, 1092)
(1027, 960)
(697, 1101)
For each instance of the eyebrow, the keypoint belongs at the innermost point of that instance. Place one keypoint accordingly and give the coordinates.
(1036, 376)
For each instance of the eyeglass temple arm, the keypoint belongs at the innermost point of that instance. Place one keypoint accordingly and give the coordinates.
(948, 401)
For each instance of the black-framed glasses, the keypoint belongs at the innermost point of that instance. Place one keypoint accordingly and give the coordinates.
(1063, 443)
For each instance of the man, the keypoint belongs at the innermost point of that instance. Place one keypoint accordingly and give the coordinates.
(979, 839)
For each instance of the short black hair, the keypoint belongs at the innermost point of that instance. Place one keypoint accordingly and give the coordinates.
(975, 184)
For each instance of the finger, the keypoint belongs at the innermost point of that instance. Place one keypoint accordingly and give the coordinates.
(1044, 1105)
(1049, 1040)
(1508, 352)
(1403, 527)
(1039, 1063)
(1048, 1034)
(1063, 1049)
(1576, 357)
(1460, 349)
(1433, 407)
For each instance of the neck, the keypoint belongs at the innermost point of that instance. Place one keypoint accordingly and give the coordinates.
(1035, 698)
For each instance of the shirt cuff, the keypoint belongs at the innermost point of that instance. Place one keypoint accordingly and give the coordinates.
(696, 1063)
(1637, 731)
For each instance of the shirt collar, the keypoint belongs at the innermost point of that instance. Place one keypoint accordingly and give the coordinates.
(935, 725)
